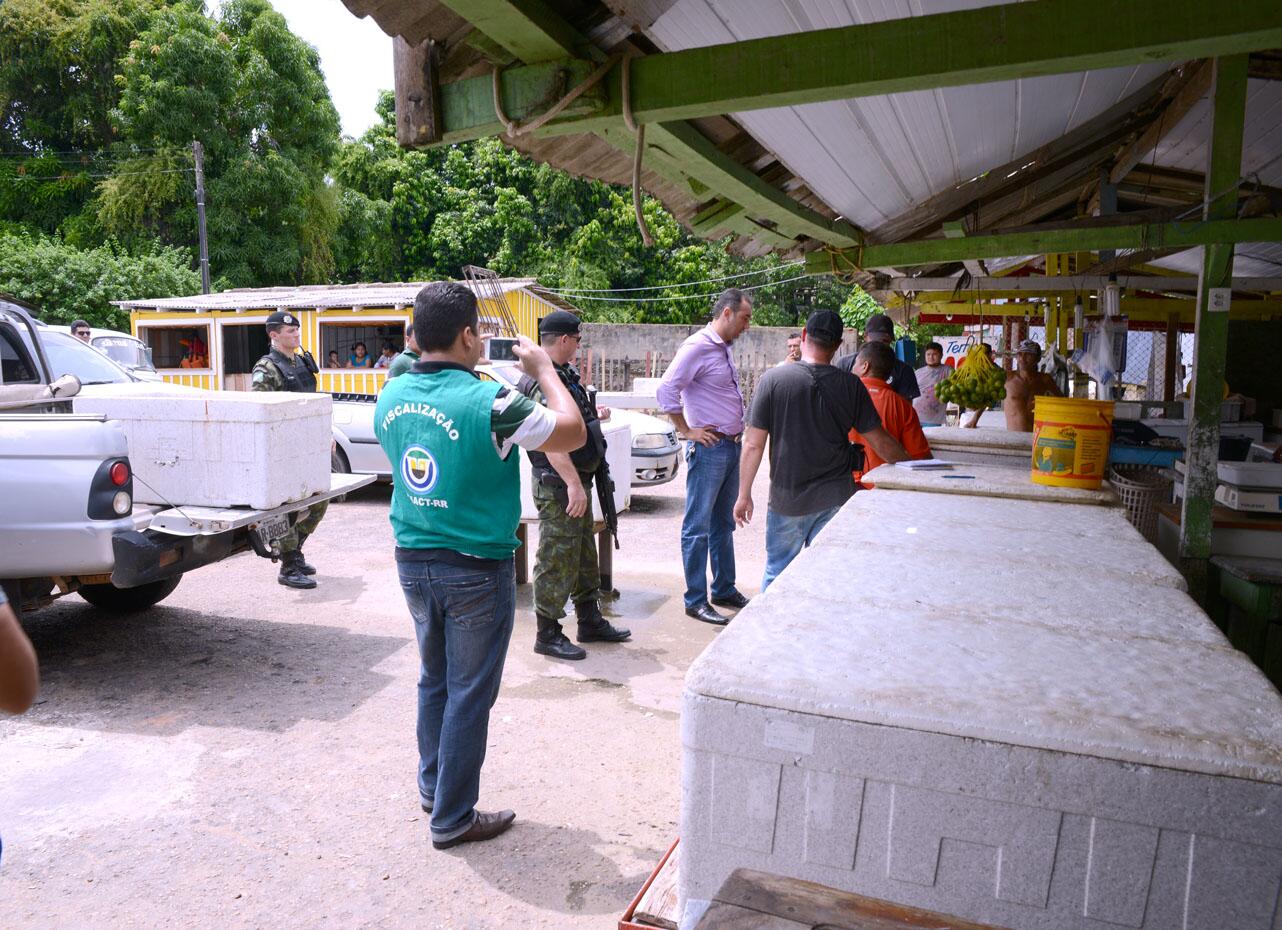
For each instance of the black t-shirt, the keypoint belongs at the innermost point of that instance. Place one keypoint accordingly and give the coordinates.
(809, 410)
(902, 377)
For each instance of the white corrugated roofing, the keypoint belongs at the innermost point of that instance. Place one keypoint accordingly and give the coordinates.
(305, 296)
(874, 158)
(1185, 147)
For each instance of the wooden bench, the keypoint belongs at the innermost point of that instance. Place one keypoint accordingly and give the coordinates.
(761, 900)
(604, 552)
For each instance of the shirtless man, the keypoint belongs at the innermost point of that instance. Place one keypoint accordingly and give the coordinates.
(1024, 384)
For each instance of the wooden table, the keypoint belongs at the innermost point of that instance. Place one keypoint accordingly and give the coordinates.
(751, 900)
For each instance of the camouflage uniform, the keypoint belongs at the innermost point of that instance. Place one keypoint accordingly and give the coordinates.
(565, 566)
(267, 377)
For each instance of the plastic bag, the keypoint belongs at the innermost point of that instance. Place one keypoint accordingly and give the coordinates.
(1097, 358)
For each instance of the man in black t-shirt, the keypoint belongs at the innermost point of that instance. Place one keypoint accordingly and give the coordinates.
(880, 328)
(807, 410)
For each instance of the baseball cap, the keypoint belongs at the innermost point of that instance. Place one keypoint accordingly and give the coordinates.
(825, 325)
(880, 323)
(282, 318)
(1031, 346)
(559, 323)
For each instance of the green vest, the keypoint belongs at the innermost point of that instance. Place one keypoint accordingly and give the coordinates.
(450, 488)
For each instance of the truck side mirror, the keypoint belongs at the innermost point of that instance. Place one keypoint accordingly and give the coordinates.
(66, 386)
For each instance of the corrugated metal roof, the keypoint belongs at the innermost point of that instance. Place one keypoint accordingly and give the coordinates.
(320, 296)
(874, 158)
(1185, 148)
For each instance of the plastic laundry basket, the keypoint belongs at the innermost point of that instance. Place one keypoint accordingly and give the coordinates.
(1141, 488)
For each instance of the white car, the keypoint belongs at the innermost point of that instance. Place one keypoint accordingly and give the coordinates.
(656, 454)
(129, 352)
(70, 356)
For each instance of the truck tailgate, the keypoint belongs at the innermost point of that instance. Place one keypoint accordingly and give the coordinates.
(210, 521)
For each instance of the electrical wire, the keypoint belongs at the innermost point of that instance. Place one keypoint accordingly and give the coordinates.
(665, 287)
(647, 300)
(73, 175)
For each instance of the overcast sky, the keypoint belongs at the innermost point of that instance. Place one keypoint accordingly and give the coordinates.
(355, 55)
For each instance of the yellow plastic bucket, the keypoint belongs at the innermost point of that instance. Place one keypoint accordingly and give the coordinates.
(1070, 441)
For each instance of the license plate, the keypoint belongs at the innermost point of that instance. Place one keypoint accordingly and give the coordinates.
(271, 529)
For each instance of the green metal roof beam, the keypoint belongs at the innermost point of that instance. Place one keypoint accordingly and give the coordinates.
(702, 160)
(1039, 242)
(995, 43)
(538, 87)
(530, 29)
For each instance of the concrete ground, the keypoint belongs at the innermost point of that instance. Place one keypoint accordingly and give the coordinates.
(243, 754)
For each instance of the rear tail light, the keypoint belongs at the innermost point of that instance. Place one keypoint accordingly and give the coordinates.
(111, 492)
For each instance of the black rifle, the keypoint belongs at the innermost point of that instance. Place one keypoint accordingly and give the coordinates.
(605, 494)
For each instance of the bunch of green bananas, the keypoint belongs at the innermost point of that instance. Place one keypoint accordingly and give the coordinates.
(976, 384)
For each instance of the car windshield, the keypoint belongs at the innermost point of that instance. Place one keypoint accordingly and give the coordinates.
(128, 352)
(69, 356)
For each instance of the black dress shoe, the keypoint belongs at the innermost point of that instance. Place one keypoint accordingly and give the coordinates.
(734, 600)
(558, 646)
(427, 808)
(707, 615)
(484, 827)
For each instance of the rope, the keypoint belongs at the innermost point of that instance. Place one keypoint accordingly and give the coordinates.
(638, 153)
(854, 267)
(513, 128)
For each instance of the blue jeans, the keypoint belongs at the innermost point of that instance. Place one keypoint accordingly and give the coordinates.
(463, 621)
(786, 536)
(707, 532)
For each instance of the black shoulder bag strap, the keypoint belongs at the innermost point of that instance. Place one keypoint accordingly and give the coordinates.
(824, 388)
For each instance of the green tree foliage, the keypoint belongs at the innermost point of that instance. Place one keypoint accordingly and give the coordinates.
(58, 62)
(67, 283)
(485, 204)
(252, 92)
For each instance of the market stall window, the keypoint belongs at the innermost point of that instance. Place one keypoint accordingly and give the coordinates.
(360, 345)
(177, 346)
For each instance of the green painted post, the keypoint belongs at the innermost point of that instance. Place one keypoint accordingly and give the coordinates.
(1224, 167)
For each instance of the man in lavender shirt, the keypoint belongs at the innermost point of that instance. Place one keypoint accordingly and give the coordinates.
(700, 393)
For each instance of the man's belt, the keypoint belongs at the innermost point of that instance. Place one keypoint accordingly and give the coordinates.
(737, 437)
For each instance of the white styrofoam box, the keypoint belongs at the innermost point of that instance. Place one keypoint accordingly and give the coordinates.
(1179, 429)
(223, 448)
(618, 453)
(1251, 474)
(984, 480)
(1029, 741)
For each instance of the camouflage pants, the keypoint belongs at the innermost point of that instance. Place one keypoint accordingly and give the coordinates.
(306, 525)
(565, 566)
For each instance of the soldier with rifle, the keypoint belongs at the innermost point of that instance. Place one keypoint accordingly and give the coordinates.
(565, 566)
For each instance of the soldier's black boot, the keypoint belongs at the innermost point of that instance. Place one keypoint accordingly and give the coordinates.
(594, 628)
(550, 641)
(291, 571)
(303, 565)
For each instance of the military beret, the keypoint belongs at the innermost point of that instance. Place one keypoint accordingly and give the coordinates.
(283, 318)
(559, 323)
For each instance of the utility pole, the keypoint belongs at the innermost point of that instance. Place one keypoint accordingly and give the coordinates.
(198, 152)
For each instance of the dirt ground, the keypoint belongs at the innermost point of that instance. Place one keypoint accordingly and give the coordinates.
(243, 755)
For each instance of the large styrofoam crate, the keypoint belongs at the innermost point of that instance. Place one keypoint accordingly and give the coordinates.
(986, 734)
(222, 448)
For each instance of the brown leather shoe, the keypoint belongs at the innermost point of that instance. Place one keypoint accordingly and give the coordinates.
(484, 827)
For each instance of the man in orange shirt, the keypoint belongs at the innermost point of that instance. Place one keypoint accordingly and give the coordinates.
(873, 366)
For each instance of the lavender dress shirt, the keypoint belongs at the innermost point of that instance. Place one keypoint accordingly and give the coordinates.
(703, 382)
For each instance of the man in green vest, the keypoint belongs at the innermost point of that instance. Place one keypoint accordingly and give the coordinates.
(456, 504)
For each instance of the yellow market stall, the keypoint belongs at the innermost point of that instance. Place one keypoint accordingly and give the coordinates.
(213, 340)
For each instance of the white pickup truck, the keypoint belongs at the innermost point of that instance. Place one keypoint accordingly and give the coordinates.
(68, 521)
